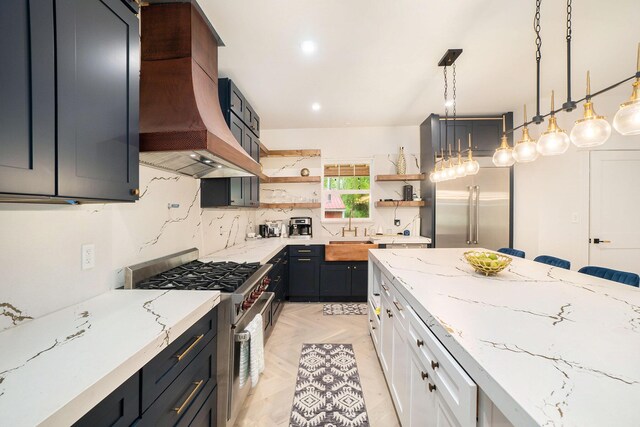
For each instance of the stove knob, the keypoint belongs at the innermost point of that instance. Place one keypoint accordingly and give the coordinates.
(255, 294)
(246, 305)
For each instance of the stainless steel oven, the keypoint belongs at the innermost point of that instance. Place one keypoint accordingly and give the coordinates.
(238, 394)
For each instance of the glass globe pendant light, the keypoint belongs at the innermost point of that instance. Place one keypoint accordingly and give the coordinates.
(525, 150)
(554, 140)
(434, 176)
(471, 165)
(627, 119)
(460, 169)
(591, 130)
(503, 157)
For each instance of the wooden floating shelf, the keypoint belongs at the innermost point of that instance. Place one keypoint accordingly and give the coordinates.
(290, 179)
(290, 205)
(400, 204)
(289, 153)
(410, 177)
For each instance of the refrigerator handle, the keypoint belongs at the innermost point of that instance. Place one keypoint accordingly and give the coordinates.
(477, 219)
(469, 213)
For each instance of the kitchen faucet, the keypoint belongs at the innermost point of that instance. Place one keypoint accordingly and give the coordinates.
(349, 230)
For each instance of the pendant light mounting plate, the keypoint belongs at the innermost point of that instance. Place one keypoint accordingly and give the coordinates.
(449, 57)
(569, 106)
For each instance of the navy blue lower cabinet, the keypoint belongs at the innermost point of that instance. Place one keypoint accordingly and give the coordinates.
(163, 369)
(180, 402)
(359, 281)
(304, 278)
(335, 280)
(206, 416)
(120, 409)
(343, 281)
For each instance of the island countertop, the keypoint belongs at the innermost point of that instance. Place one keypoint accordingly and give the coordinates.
(56, 368)
(548, 346)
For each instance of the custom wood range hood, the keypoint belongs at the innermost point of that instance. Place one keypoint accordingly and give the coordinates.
(182, 128)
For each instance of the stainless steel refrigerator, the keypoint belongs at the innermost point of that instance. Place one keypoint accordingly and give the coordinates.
(474, 211)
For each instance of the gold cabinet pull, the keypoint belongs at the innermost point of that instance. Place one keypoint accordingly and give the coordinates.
(431, 387)
(424, 375)
(398, 306)
(434, 365)
(306, 251)
(419, 342)
(193, 344)
(304, 259)
(189, 398)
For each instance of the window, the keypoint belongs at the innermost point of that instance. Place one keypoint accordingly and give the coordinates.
(346, 191)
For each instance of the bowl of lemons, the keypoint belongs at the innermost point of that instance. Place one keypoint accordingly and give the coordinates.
(487, 263)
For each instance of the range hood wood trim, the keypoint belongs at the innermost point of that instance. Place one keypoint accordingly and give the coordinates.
(179, 105)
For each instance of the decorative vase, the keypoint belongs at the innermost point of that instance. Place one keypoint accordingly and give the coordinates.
(304, 172)
(401, 165)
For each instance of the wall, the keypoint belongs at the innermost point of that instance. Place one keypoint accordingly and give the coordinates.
(552, 192)
(41, 244)
(380, 144)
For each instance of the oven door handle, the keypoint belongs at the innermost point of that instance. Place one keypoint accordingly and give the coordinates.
(259, 307)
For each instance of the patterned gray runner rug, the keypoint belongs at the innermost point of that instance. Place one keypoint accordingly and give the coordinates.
(328, 390)
(344, 309)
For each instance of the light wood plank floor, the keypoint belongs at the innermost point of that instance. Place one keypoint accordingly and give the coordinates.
(269, 404)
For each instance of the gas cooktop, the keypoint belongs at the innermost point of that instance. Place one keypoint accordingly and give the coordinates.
(198, 275)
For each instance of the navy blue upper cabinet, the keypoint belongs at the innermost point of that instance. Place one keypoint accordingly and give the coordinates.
(69, 107)
(98, 67)
(27, 104)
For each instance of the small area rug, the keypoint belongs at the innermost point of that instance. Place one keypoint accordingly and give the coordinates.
(328, 390)
(344, 309)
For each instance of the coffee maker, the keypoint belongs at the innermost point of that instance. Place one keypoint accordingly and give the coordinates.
(300, 228)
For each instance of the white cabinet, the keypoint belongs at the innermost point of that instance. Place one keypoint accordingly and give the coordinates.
(400, 363)
(422, 404)
(428, 386)
(386, 336)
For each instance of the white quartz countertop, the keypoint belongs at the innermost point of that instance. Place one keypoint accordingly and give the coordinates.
(262, 250)
(549, 347)
(56, 368)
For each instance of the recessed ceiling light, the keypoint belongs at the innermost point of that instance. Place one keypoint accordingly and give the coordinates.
(193, 155)
(219, 166)
(308, 47)
(316, 106)
(208, 161)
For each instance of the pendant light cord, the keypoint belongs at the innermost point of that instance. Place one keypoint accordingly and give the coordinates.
(536, 28)
(446, 108)
(454, 105)
(569, 105)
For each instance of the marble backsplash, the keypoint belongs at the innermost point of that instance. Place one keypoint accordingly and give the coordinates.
(41, 244)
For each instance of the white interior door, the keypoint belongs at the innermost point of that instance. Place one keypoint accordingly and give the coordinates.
(615, 210)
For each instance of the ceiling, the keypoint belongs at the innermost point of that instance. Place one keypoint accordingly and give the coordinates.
(376, 60)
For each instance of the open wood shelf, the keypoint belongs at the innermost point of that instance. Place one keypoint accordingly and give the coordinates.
(290, 205)
(400, 204)
(290, 179)
(409, 177)
(289, 153)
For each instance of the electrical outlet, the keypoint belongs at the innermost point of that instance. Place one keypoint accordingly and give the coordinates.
(575, 218)
(396, 222)
(88, 256)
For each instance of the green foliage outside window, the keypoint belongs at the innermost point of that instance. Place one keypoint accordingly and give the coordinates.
(357, 205)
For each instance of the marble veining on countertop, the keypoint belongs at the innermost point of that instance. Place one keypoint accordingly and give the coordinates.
(262, 250)
(55, 368)
(549, 346)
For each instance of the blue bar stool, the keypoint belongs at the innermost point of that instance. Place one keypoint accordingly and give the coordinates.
(609, 274)
(551, 260)
(512, 252)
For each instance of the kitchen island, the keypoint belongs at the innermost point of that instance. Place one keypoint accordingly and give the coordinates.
(546, 346)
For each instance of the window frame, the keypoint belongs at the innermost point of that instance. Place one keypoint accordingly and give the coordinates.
(368, 161)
